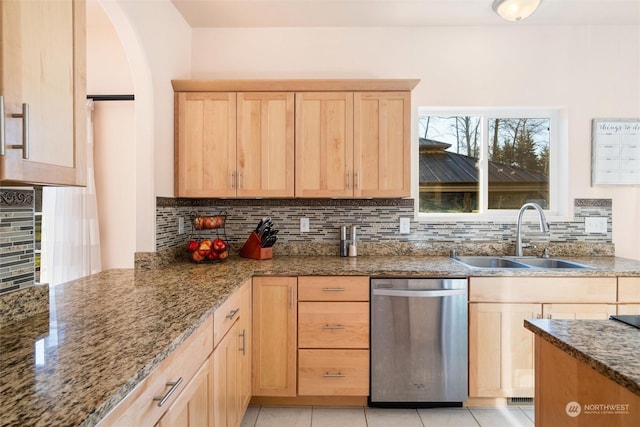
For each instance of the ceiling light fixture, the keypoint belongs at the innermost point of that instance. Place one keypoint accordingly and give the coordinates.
(515, 10)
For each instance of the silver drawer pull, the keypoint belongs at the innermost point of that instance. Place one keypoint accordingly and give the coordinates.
(233, 313)
(332, 289)
(174, 386)
(338, 375)
(333, 327)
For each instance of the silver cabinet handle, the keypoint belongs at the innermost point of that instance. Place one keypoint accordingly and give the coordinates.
(348, 180)
(174, 386)
(239, 180)
(244, 342)
(357, 180)
(338, 375)
(25, 131)
(333, 327)
(416, 293)
(232, 177)
(332, 289)
(1, 125)
(233, 313)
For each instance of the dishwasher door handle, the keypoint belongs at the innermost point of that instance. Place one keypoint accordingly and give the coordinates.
(427, 293)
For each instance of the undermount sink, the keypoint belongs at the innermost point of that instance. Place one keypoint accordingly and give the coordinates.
(552, 263)
(499, 262)
(489, 262)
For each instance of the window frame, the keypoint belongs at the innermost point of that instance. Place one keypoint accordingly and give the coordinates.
(558, 162)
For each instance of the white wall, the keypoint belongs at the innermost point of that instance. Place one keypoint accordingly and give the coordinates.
(108, 72)
(591, 71)
(157, 44)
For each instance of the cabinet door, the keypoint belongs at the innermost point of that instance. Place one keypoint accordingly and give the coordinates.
(42, 54)
(193, 406)
(245, 347)
(226, 407)
(205, 155)
(265, 144)
(274, 336)
(324, 144)
(382, 144)
(578, 311)
(501, 350)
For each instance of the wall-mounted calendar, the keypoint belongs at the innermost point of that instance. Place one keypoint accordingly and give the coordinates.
(615, 152)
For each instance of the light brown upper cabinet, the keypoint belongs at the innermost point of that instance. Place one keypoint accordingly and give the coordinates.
(324, 144)
(382, 149)
(265, 144)
(42, 92)
(205, 156)
(293, 138)
(230, 144)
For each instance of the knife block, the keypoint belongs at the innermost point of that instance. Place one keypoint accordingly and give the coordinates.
(252, 249)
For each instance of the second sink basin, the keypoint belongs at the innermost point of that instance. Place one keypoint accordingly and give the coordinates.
(552, 263)
(499, 262)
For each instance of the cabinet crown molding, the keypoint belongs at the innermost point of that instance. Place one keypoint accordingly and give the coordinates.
(302, 85)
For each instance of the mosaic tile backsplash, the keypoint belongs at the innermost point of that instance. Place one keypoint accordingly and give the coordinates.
(377, 221)
(17, 227)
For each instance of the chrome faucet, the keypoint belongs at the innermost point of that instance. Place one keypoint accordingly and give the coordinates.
(544, 226)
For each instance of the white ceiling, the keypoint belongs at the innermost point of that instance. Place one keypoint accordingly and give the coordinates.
(375, 13)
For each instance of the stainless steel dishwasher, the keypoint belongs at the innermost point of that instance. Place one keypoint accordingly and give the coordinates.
(418, 342)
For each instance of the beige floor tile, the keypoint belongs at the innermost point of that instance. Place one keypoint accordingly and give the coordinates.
(381, 417)
(447, 417)
(250, 417)
(501, 417)
(338, 417)
(275, 416)
(529, 412)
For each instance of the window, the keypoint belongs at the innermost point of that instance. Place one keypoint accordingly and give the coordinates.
(487, 161)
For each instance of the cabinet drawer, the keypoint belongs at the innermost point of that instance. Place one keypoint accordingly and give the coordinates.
(333, 372)
(139, 408)
(225, 316)
(333, 325)
(629, 289)
(543, 289)
(333, 288)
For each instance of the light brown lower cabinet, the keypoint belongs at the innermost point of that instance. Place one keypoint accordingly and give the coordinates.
(193, 407)
(274, 336)
(231, 361)
(501, 350)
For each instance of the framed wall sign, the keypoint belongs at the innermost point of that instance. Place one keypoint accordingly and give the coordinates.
(615, 152)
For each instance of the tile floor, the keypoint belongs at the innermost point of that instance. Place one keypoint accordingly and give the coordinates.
(307, 416)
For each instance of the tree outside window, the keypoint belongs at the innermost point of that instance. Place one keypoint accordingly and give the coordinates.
(452, 147)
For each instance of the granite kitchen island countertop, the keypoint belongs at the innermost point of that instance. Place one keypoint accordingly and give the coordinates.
(608, 346)
(105, 333)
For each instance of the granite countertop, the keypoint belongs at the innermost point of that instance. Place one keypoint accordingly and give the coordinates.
(608, 346)
(107, 332)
